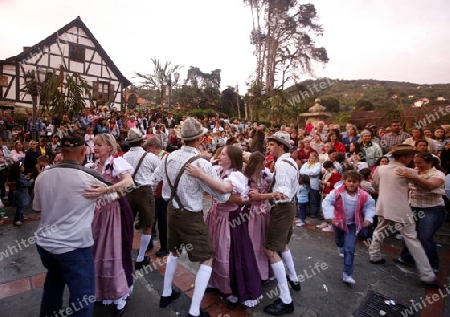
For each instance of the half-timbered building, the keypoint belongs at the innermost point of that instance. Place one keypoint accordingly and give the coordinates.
(73, 47)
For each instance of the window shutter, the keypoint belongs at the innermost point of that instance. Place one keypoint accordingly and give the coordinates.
(111, 92)
(95, 90)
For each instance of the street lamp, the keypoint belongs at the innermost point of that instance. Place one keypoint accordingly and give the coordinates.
(176, 76)
(33, 90)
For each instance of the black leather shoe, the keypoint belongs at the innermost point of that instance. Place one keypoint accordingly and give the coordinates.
(164, 301)
(278, 308)
(140, 265)
(231, 305)
(161, 253)
(432, 284)
(295, 285)
(382, 261)
(202, 314)
(399, 260)
(119, 312)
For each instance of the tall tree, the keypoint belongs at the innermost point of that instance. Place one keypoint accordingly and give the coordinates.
(206, 87)
(161, 76)
(283, 35)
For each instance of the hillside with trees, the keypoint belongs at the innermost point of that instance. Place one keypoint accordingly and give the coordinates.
(369, 94)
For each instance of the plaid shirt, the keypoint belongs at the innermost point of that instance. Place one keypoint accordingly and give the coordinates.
(424, 198)
(390, 139)
(190, 189)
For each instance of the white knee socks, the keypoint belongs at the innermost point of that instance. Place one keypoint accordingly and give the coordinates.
(145, 240)
(201, 282)
(171, 266)
(280, 274)
(289, 262)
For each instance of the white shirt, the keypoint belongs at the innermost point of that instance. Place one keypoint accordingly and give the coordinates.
(58, 195)
(190, 189)
(147, 168)
(286, 178)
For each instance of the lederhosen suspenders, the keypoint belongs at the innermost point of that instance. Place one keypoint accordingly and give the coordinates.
(173, 188)
(137, 167)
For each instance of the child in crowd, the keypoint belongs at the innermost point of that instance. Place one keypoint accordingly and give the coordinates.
(366, 182)
(43, 163)
(349, 209)
(329, 179)
(303, 200)
(89, 139)
(21, 197)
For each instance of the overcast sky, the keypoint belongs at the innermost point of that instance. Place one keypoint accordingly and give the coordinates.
(403, 40)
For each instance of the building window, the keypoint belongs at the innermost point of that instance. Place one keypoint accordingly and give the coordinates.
(103, 91)
(76, 53)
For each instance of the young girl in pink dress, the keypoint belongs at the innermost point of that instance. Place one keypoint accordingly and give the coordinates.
(260, 178)
(112, 227)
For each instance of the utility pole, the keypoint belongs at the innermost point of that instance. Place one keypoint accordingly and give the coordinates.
(237, 102)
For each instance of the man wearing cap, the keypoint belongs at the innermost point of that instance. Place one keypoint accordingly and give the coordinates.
(64, 236)
(282, 192)
(141, 199)
(186, 226)
(394, 212)
(153, 145)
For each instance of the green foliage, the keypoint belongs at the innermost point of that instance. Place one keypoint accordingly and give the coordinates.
(364, 105)
(58, 97)
(369, 94)
(200, 113)
(20, 117)
(332, 104)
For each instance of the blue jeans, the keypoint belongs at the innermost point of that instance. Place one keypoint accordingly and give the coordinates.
(426, 227)
(74, 268)
(301, 211)
(314, 202)
(19, 213)
(346, 242)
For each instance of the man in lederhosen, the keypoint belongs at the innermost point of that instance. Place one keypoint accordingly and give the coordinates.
(142, 199)
(186, 226)
(282, 194)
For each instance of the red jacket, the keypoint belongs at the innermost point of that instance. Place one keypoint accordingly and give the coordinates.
(339, 147)
(339, 213)
(334, 178)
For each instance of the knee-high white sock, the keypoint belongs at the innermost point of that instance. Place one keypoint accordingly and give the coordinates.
(289, 262)
(201, 282)
(171, 266)
(280, 274)
(145, 240)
